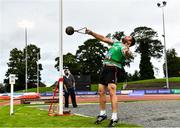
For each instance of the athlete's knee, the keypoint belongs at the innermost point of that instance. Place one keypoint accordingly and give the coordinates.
(101, 92)
(112, 90)
(112, 93)
(112, 87)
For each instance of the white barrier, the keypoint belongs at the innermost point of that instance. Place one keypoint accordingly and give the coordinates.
(126, 92)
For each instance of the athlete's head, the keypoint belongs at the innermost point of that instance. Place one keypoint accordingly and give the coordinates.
(129, 40)
(67, 71)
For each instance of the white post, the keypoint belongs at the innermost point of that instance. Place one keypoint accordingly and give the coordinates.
(12, 82)
(11, 100)
(61, 57)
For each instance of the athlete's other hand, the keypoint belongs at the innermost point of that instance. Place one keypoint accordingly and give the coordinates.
(88, 31)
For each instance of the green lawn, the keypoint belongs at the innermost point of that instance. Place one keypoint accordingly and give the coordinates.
(94, 87)
(32, 117)
(172, 79)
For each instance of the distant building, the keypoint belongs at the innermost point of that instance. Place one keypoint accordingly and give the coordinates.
(1, 88)
(83, 82)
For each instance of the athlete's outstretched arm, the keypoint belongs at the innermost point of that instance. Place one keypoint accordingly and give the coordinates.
(99, 37)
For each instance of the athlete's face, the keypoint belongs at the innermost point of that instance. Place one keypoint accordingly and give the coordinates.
(128, 40)
(66, 72)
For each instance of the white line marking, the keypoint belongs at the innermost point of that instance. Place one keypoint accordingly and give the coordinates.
(82, 115)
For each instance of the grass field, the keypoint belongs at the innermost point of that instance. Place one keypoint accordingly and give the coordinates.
(94, 87)
(172, 79)
(1, 100)
(32, 117)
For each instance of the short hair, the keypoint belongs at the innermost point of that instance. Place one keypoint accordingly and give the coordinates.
(66, 69)
(133, 41)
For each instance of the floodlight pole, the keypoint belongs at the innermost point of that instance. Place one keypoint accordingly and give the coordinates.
(25, 24)
(26, 86)
(164, 36)
(60, 57)
(38, 72)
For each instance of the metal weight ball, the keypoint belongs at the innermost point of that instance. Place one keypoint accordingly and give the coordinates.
(69, 30)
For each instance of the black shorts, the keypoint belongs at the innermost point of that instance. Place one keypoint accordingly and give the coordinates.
(110, 74)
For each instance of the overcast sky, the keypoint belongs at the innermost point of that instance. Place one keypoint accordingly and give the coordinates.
(102, 16)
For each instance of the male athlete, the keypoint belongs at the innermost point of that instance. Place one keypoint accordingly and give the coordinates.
(112, 69)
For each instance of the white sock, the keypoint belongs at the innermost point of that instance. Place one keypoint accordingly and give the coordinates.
(102, 112)
(114, 116)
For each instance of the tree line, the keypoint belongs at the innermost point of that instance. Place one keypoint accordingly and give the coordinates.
(89, 56)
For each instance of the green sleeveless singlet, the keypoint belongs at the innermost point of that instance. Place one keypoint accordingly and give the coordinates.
(115, 55)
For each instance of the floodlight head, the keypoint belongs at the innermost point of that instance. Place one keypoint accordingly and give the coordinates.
(25, 24)
(158, 4)
(164, 3)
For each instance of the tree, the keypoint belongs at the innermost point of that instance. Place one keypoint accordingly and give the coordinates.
(32, 52)
(133, 77)
(116, 36)
(16, 65)
(173, 63)
(136, 76)
(148, 46)
(90, 56)
(69, 61)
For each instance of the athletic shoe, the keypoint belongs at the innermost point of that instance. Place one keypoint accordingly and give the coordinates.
(113, 123)
(75, 106)
(100, 118)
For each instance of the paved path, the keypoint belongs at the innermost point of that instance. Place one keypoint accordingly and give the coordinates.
(144, 113)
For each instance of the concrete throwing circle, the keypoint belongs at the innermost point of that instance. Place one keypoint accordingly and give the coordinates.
(165, 113)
